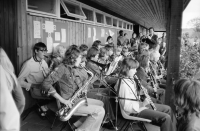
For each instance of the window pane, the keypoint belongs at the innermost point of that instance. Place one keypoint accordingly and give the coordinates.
(124, 26)
(73, 8)
(127, 26)
(108, 20)
(115, 22)
(47, 6)
(89, 14)
(120, 24)
(100, 18)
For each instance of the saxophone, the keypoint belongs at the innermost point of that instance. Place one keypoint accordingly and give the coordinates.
(79, 98)
(148, 98)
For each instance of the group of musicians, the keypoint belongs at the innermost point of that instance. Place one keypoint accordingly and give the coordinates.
(137, 75)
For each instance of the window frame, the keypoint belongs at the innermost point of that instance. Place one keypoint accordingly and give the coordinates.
(111, 18)
(62, 2)
(102, 13)
(45, 13)
(119, 20)
(89, 8)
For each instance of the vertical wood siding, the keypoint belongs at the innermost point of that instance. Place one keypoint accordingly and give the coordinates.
(76, 33)
(8, 29)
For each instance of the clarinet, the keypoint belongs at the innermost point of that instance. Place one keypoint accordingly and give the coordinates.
(145, 93)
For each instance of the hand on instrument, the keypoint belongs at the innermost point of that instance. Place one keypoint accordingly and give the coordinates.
(155, 89)
(67, 103)
(146, 101)
(27, 88)
(82, 64)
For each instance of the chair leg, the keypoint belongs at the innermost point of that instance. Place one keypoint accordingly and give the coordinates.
(64, 125)
(125, 123)
(143, 126)
(127, 127)
(70, 125)
(53, 122)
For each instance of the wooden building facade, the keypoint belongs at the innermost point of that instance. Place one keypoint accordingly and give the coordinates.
(35, 26)
(25, 22)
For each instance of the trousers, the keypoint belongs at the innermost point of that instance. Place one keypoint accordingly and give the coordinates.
(95, 114)
(162, 117)
(93, 93)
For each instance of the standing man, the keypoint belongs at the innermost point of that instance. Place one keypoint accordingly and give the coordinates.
(153, 37)
(121, 39)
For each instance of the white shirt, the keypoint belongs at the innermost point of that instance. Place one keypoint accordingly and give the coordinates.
(33, 72)
(9, 114)
(128, 90)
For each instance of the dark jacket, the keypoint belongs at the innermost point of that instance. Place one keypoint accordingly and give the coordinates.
(143, 77)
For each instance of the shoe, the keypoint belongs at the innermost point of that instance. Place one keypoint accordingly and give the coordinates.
(41, 113)
(109, 125)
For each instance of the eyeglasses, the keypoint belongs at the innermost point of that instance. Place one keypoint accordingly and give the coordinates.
(43, 50)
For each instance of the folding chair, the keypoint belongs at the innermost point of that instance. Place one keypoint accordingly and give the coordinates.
(130, 120)
(55, 107)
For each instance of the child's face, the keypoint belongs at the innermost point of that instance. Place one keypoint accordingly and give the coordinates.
(131, 72)
(110, 52)
(125, 53)
(110, 40)
(96, 57)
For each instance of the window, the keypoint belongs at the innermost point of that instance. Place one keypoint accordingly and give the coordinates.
(89, 14)
(131, 27)
(128, 26)
(100, 18)
(108, 20)
(42, 6)
(115, 22)
(73, 9)
(120, 24)
(124, 25)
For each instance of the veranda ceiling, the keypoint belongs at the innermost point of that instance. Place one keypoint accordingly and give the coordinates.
(148, 13)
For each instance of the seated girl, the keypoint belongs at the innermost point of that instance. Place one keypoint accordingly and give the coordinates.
(58, 56)
(129, 89)
(99, 81)
(72, 78)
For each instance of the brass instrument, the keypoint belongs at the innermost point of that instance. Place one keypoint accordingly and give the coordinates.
(148, 98)
(79, 98)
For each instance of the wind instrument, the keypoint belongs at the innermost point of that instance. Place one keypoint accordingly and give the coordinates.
(79, 98)
(154, 83)
(148, 98)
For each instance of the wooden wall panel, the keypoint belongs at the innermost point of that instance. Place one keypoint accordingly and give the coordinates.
(8, 29)
(76, 33)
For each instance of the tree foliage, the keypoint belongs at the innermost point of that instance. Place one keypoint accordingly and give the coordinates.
(189, 59)
(195, 23)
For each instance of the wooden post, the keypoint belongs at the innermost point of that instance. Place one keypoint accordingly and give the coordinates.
(174, 44)
(22, 32)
